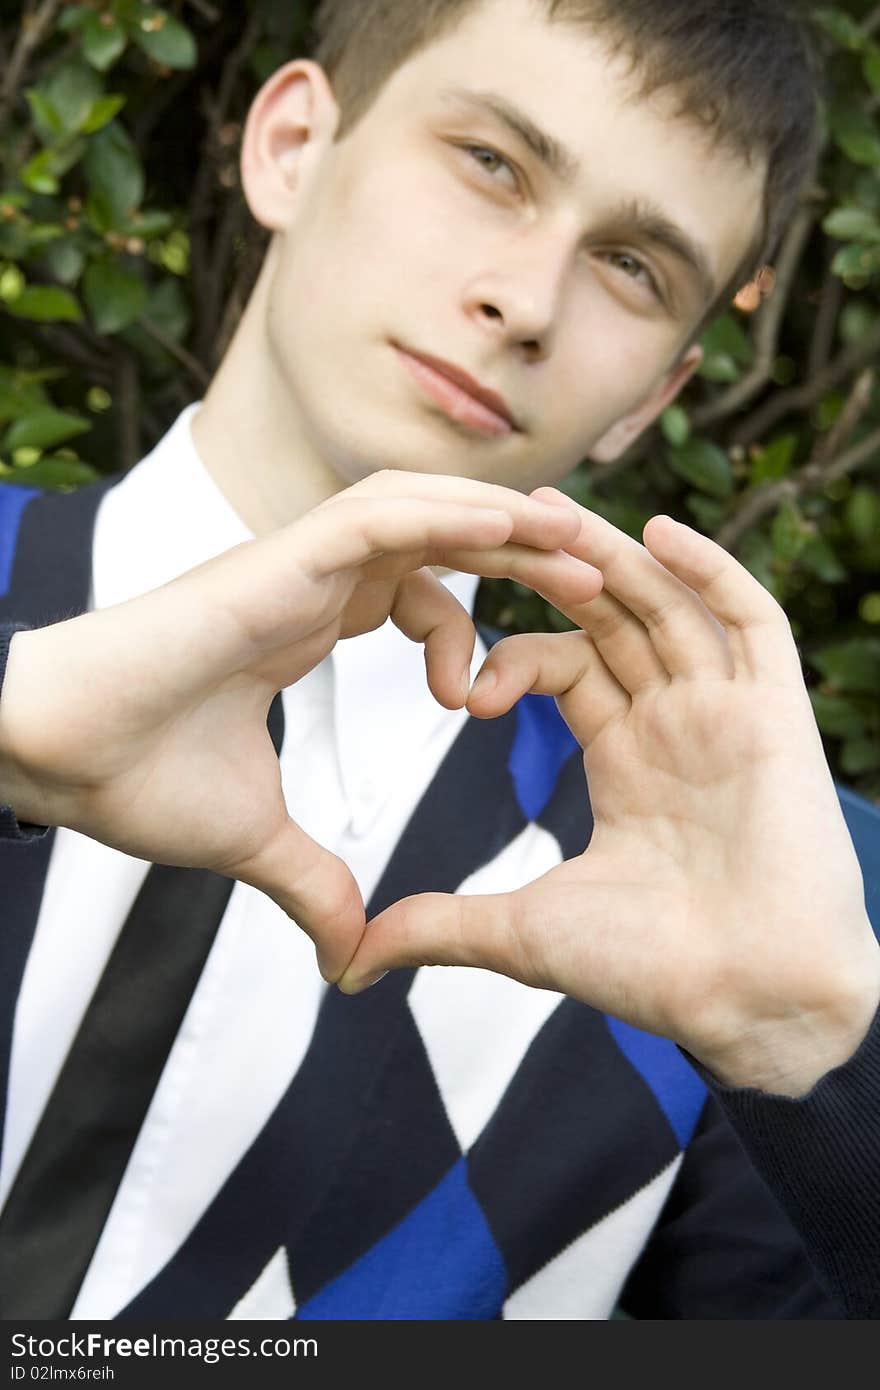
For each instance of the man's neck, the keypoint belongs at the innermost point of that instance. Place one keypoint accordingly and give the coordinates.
(247, 435)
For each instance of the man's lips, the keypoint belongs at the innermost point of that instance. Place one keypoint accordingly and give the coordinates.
(460, 395)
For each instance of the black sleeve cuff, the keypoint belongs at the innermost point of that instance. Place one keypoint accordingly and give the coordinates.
(820, 1156)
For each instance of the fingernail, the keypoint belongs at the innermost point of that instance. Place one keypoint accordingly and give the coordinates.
(369, 980)
(486, 681)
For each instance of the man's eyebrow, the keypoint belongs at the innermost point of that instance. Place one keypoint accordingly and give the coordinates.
(559, 160)
(635, 217)
(643, 219)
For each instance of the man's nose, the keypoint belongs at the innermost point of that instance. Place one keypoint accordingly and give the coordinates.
(520, 297)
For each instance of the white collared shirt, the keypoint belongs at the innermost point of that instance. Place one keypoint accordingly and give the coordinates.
(361, 743)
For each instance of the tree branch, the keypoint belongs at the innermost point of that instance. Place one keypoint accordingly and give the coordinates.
(768, 326)
(200, 375)
(34, 27)
(852, 359)
(201, 206)
(871, 21)
(209, 12)
(842, 430)
(822, 343)
(825, 466)
(128, 403)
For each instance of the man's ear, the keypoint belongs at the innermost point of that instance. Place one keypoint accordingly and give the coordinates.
(619, 437)
(292, 121)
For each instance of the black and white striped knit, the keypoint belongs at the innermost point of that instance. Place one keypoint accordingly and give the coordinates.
(453, 1146)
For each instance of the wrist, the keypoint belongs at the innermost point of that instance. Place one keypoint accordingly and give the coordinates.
(787, 1056)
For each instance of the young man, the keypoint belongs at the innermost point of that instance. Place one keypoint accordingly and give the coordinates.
(498, 229)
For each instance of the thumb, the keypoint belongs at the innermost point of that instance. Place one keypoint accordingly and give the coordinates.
(314, 888)
(444, 929)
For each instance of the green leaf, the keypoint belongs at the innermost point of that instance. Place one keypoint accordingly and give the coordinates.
(726, 337)
(115, 295)
(44, 428)
(63, 474)
(676, 426)
(872, 68)
(102, 42)
(852, 224)
(860, 755)
(853, 666)
(73, 17)
(42, 173)
(168, 308)
(774, 461)
(856, 261)
(40, 234)
(102, 112)
(147, 224)
(862, 514)
(857, 321)
(19, 394)
(164, 38)
(869, 609)
(818, 557)
(836, 717)
(46, 304)
(704, 465)
(114, 171)
(73, 90)
(789, 533)
(856, 133)
(13, 239)
(47, 121)
(65, 260)
(707, 511)
(757, 556)
(39, 173)
(842, 28)
(12, 283)
(720, 366)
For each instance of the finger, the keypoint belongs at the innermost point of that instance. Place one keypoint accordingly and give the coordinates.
(354, 531)
(441, 929)
(314, 888)
(687, 637)
(564, 580)
(758, 631)
(547, 522)
(427, 612)
(623, 643)
(567, 931)
(566, 665)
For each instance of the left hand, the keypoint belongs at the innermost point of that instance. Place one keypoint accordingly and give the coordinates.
(720, 902)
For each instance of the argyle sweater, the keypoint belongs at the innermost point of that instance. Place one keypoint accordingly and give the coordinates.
(606, 1171)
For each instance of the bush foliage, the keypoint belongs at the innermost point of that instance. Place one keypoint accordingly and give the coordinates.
(127, 253)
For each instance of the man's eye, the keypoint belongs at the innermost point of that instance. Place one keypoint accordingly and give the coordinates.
(490, 161)
(633, 268)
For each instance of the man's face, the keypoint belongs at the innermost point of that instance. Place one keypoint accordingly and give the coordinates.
(494, 274)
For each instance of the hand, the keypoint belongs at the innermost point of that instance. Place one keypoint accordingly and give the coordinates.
(720, 902)
(144, 725)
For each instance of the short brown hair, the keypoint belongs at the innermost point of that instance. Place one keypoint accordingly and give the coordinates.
(744, 69)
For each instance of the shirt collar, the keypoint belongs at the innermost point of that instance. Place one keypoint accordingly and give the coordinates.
(166, 516)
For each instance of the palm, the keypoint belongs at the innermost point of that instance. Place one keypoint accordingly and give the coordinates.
(720, 897)
(710, 825)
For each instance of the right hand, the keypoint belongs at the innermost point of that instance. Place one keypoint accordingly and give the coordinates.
(144, 725)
